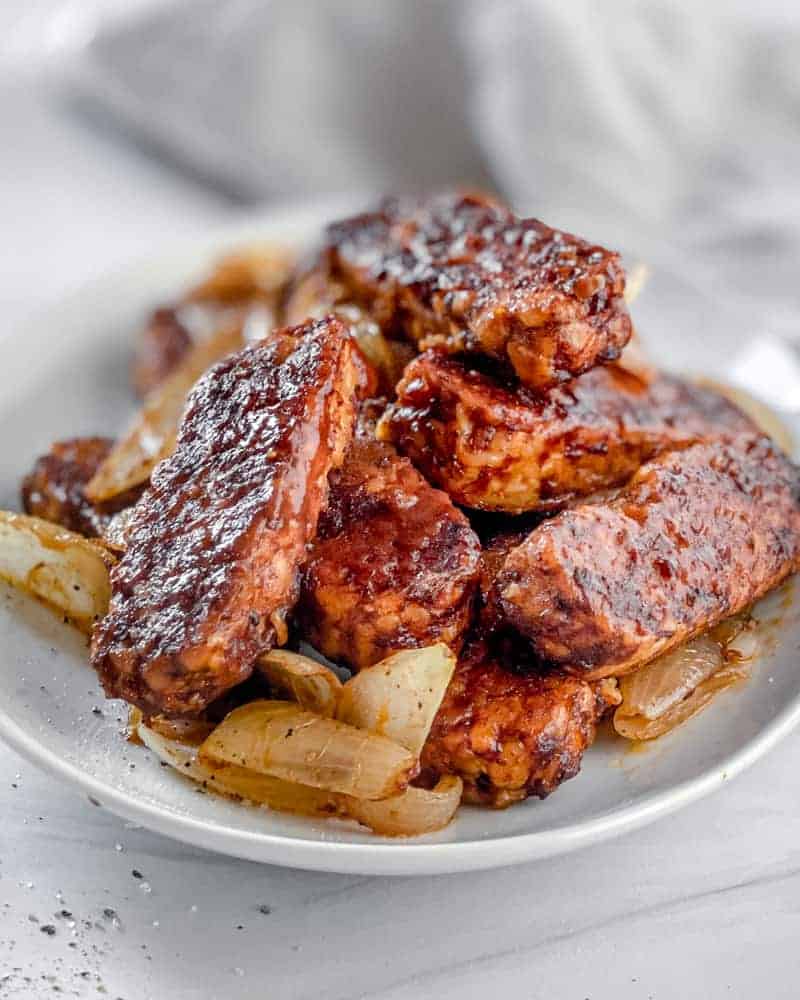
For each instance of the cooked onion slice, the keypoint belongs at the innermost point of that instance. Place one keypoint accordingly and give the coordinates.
(151, 437)
(658, 686)
(387, 356)
(671, 689)
(238, 782)
(399, 696)
(191, 732)
(278, 738)
(313, 686)
(58, 566)
(416, 811)
(251, 272)
(409, 814)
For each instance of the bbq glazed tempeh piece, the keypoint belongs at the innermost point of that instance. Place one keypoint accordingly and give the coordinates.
(214, 545)
(394, 565)
(494, 553)
(54, 488)
(696, 536)
(509, 735)
(502, 448)
(460, 272)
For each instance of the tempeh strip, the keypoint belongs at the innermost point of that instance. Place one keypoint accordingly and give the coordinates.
(697, 536)
(213, 547)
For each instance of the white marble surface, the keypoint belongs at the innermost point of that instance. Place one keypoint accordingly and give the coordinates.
(705, 904)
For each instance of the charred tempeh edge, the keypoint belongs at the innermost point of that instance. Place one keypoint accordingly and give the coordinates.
(696, 536)
(461, 272)
(214, 545)
(509, 736)
(394, 565)
(55, 487)
(502, 448)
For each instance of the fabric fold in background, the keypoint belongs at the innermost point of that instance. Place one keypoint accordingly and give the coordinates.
(674, 129)
(668, 130)
(274, 97)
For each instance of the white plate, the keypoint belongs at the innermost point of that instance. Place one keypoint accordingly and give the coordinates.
(67, 375)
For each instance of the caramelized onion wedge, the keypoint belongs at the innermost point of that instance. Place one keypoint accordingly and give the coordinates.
(414, 812)
(151, 437)
(658, 686)
(278, 738)
(189, 732)
(64, 569)
(251, 272)
(399, 696)
(313, 686)
(671, 689)
(639, 728)
(238, 782)
(389, 357)
(409, 814)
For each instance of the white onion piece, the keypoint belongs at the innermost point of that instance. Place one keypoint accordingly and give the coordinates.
(654, 688)
(730, 629)
(238, 782)
(400, 696)
(60, 567)
(413, 812)
(639, 728)
(744, 646)
(384, 354)
(672, 688)
(250, 272)
(190, 732)
(278, 738)
(312, 685)
(316, 296)
(151, 436)
(416, 811)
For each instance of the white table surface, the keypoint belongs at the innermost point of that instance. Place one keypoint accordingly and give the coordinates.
(704, 904)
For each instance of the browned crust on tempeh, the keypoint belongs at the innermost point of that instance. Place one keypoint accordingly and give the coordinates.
(497, 447)
(394, 566)
(214, 545)
(461, 272)
(697, 536)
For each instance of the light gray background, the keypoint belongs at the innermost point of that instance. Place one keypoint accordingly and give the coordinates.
(705, 904)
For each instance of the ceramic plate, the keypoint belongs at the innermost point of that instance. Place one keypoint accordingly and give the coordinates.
(66, 374)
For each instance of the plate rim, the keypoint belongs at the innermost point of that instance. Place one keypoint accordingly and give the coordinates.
(383, 857)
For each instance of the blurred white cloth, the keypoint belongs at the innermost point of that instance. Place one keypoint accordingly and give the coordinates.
(270, 97)
(670, 130)
(674, 129)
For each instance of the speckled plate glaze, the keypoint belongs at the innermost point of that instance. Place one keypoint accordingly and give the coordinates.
(66, 374)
